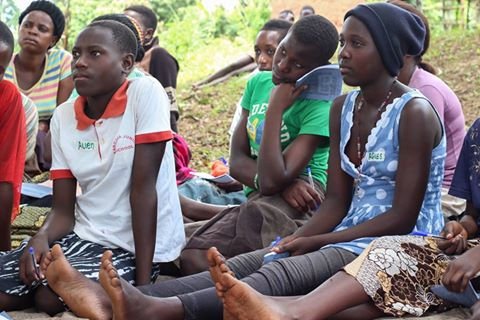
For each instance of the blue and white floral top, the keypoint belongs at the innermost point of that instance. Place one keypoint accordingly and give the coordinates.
(375, 180)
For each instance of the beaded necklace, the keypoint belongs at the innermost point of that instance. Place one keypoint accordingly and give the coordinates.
(360, 155)
(360, 104)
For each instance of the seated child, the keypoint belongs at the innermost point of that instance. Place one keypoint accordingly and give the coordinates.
(268, 38)
(115, 141)
(277, 138)
(12, 141)
(157, 62)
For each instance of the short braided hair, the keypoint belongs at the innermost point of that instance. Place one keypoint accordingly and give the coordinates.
(125, 20)
(149, 17)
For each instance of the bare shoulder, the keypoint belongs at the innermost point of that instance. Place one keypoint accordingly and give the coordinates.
(420, 119)
(336, 109)
(419, 109)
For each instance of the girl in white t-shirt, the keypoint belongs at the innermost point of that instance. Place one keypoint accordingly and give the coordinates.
(114, 140)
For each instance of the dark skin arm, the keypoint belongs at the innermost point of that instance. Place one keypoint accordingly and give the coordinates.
(416, 143)
(65, 89)
(198, 211)
(277, 169)
(47, 145)
(227, 71)
(457, 233)
(302, 196)
(461, 270)
(60, 222)
(173, 121)
(339, 186)
(6, 201)
(143, 201)
(242, 167)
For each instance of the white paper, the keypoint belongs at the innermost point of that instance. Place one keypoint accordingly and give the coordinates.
(224, 178)
(324, 83)
(36, 190)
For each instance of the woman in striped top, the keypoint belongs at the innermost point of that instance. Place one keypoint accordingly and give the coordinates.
(40, 71)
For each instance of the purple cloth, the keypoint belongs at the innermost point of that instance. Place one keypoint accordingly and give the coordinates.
(466, 181)
(450, 111)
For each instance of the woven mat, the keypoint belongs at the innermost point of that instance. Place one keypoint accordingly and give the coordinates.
(27, 223)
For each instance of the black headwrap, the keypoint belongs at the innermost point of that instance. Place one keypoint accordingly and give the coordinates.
(52, 10)
(395, 31)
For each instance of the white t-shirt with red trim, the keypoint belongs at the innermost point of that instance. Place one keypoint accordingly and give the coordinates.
(99, 154)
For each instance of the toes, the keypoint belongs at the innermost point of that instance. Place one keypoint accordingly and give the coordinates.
(45, 262)
(211, 256)
(219, 259)
(224, 268)
(116, 282)
(107, 257)
(112, 273)
(227, 281)
(56, 252)
(110, 268)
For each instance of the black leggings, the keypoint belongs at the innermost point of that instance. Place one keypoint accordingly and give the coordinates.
(291, 276)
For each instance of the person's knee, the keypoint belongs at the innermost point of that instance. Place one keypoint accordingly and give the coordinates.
(47, 301)
(193, 261)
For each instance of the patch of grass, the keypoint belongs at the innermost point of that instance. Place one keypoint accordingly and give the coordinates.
(455, 56)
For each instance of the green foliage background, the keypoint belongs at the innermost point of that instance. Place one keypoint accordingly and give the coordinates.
(186, 28)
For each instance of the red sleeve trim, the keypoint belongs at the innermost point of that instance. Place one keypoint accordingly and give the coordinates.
(61, 174)
(153, 137)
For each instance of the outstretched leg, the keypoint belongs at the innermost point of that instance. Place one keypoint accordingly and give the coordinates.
(84, 297)
(129, 303)
(242, 302)
(193, 261)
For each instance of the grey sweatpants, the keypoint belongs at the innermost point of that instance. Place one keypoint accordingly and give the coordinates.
(285, 277)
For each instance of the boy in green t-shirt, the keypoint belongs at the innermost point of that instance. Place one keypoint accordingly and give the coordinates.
(278, 140)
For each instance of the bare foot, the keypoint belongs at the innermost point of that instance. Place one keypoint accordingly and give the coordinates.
(241, 302)
(83, 296)
(129, 303)
(217, 264)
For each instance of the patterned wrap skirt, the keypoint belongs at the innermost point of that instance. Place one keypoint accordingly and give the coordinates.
(83, 255)
(398, 271)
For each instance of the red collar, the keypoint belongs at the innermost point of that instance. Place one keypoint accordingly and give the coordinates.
(115, 107)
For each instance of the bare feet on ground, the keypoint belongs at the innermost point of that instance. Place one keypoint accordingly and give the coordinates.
(83, 296)
(130, 303)
(217, 264)
(240, 301)
(117, 290)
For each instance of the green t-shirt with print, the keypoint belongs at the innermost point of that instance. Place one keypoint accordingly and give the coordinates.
(303, 117)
